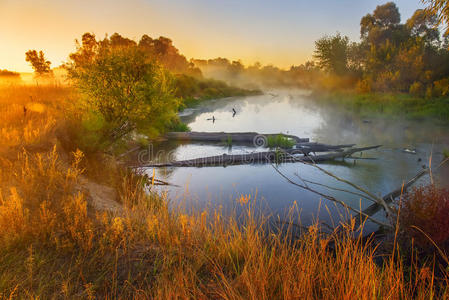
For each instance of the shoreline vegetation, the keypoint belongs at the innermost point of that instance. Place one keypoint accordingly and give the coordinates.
(387, 105)
(194, 91)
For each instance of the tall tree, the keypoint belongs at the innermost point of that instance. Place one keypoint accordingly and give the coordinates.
(425, 26)
(332, 53)
(37, 60)
(439, 8)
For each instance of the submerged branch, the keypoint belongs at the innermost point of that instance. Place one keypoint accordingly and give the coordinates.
(278, 156)
(331, 198)
(388, 198)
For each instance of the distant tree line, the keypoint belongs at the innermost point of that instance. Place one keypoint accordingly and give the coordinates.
(410, 57)
(6, 73)
(256, 75)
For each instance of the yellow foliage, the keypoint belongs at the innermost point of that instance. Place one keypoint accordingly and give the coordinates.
(77, 224)
(13, 216)
(244, 199)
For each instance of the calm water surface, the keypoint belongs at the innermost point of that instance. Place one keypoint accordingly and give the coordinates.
(295, 113)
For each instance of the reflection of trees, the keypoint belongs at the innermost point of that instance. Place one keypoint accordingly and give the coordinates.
(226, 104)
(337, 125)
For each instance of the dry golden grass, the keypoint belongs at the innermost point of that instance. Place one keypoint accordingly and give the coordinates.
(54, 244)
(45, 106)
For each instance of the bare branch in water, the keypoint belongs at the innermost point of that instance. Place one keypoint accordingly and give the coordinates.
(331, 198)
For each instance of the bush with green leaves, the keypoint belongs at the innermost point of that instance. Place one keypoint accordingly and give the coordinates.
(123, 88)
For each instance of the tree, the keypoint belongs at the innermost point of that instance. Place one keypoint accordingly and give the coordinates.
(86, 51)
(439, 8)
(332, 53)
(387, 15)
(123, 86)
(37, 60)
(424, 25)
(163, 50)
(382, 25)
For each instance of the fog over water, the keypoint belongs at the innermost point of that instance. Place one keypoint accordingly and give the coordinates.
(294, 113)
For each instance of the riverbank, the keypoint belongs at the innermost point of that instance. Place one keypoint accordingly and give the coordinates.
(388, 105)
(194, 91)
(80, 225)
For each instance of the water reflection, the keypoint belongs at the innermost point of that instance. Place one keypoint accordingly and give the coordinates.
(297, 115)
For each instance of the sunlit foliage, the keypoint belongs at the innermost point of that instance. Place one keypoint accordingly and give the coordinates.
(391, 57)
(440, 9)
(124, 89)
(38, 61)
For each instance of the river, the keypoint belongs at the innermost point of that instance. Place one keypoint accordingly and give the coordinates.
(294, 112)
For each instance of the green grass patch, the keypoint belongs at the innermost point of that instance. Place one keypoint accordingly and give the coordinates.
(228, 141)
(179, 126)
(446, 153)
(280, 141)
(389, 105)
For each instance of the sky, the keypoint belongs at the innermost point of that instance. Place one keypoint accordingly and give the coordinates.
(278, 32)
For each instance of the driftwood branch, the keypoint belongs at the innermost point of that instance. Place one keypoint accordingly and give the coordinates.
(369, 195)
(330, 198)
(259, 157)
(388, 198)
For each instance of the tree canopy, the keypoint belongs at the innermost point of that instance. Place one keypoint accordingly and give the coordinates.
(391, 56)
(332, 53)
(439, 9)
(38, 61)
(123, 86)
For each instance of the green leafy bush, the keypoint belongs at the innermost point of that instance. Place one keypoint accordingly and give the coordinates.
(122, 85)
(179, 126)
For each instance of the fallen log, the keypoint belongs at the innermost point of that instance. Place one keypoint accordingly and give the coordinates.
(290, 155)
(239, 137)
(307, 147)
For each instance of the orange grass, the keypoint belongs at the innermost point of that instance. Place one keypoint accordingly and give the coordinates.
(54, 244)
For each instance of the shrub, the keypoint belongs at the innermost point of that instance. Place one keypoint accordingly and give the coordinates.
(179, 126)
(441, 87)
(430, 93)
(120, 83)
(364, 86)
(417, 89)
(426, 208)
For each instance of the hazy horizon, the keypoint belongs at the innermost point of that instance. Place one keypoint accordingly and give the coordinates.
(280, 34)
